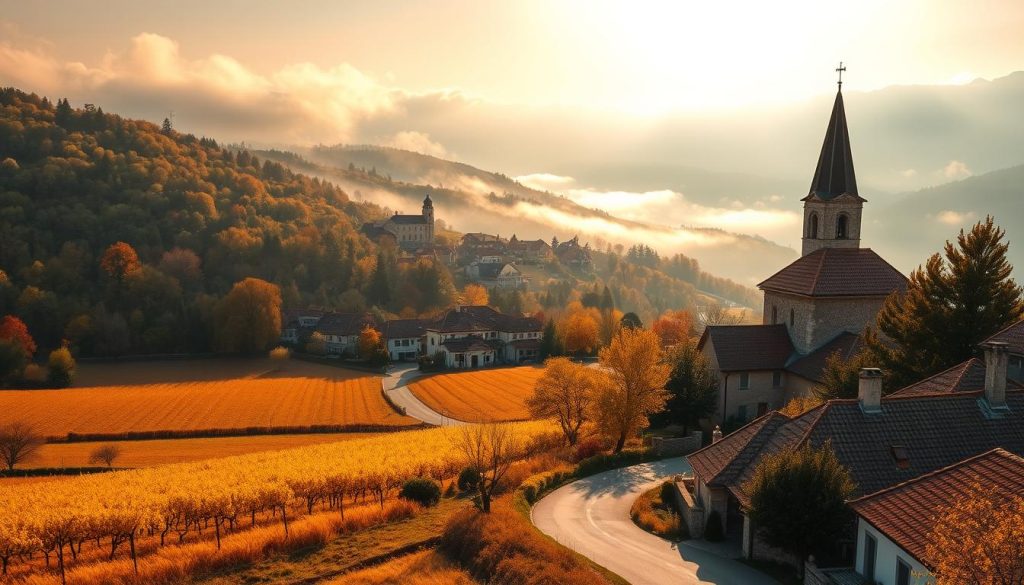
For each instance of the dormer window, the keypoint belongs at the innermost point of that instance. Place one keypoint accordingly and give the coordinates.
(900, 455)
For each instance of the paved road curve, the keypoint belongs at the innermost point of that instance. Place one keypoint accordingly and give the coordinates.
(591, 516)
(396, 385)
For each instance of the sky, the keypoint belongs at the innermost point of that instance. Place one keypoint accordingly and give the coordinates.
(551, 90)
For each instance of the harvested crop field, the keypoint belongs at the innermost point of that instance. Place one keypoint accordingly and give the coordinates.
(337, 398)
(484, 395)
(161, 451)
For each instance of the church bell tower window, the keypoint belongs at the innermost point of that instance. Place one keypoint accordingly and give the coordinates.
(842, 230)
(812, 227)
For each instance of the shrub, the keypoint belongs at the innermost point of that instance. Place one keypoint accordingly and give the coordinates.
(449, 492)
(587, 449)
(655, 512)
(604, 462)
(279, 354)
(468, 479)
(422, 490)
(537, 485)
(62, 368)
(713, 531)
(502, 547)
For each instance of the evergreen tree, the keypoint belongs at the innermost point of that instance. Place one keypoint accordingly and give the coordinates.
(631, 321)
(549, 344)
(692, 388)
(952, 303)
(379, 292)
(64, 113)
(607, 303)
(841, 377)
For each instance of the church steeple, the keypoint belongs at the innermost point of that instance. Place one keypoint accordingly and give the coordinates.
(834, 174)
(833, 207)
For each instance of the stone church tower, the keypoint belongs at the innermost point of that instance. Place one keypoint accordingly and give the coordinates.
(428, 216)
(832, 209)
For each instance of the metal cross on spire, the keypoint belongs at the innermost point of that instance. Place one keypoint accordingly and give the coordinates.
(840, 70)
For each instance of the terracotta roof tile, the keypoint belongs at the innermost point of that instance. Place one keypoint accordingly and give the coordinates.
(749, 347)
(1013, 336)
(906, 513)
(830, 272)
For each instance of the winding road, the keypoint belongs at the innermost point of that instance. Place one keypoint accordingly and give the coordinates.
(591, 516)
(395, 384)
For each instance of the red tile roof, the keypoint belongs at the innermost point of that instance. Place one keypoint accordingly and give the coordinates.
(748, 347)
(1012, 336)
(906, 513)
(832, 272)
(963, 377)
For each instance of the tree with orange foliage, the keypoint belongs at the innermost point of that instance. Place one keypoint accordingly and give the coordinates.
(636, 374)
(474, 295)
(120, 259)
(564, 392)
(248, 319)
(674, 327)
(372, 347)
(14, 330)
(609, 324)
(979, 540)
(579, 333)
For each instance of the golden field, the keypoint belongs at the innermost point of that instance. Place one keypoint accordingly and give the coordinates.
(427, 567)
(160, 451)
(479, 396)
(275, 399)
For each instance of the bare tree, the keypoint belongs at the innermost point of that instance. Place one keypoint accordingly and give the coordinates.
(490, 450)
(18, 443)
(105, 454)
(717, 314)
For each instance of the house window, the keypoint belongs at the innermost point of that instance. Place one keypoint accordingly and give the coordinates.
(841, 227)
(775, 315)
(902, 572)
(792, 317)
(744, 381)
(776, 379)
(870, 548)
(812, 226)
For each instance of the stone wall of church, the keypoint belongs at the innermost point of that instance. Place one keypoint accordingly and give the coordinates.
(828, 216)
(814, 322)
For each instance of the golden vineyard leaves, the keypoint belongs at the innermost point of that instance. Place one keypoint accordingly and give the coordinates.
(172, 500)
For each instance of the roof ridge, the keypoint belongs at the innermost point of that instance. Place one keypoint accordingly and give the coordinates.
(807, 434)
(1005, 329)
(759, 420)
(994, 451)
(817, 273)
(937, 374)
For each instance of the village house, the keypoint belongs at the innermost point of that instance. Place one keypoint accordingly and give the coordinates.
(341, 331)
(530, 251)
(814, 307)
(883, 442)
(894, 524)
(496, 274)
(298, 324)
(405, 338)
(477, 336)
(571, 253)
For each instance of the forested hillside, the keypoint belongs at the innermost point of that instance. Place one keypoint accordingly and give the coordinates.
(201, 217)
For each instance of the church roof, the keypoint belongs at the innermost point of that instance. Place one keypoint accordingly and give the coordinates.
(836, 272)
(749, 347)
(408, 219)
(834, 174)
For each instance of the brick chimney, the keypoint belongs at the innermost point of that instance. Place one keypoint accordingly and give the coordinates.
(996, 360)
(716, 435)
(869, 392)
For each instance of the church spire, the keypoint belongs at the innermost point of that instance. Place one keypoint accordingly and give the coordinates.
(834, 175)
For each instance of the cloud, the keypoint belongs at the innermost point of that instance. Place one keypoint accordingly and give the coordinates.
(956, 170)
(418, 142)
(955, 218)
(215, 94)
(546, 181)
(908, 173)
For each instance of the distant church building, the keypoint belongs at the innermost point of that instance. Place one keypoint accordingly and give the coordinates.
(818, 305)
(410, 232)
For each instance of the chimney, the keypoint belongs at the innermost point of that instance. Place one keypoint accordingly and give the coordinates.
(869, 392)
(716, 435)
(996, 360)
